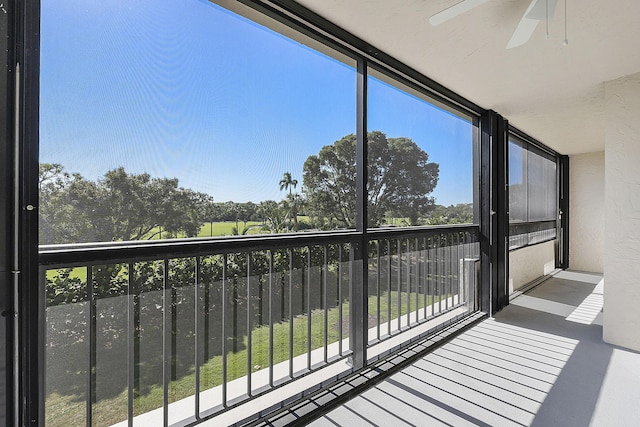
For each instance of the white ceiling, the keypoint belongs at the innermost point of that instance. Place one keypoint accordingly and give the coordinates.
(553, 92)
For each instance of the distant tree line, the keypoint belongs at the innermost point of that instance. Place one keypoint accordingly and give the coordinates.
(128, 206)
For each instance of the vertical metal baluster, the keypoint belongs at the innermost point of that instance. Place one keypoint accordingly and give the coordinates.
(224, 329)
(463, 280)
(91, 323)
(452, 265)
(166, 344)
(325, 304)
(308, 285)
(438, 266)
(174, 334)
(132, 319)
(416, 271)
(456, 265)
(291, 313)
(452, 257)
(378, 287)
(408, 282)
(249, 326)
(399, 283)
(271, 318)
(447, 267)
(443, 271)
(197, 326)
(340, 337)
(468, 274)
(425, 283)
(388, 287)
(206, 320)
(430, 272)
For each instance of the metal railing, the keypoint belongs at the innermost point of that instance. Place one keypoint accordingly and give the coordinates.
(417, 277)
(172, 332)
(531, 233)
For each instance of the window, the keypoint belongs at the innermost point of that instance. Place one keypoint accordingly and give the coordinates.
(532, 194)
(162, 122)
(420, 157)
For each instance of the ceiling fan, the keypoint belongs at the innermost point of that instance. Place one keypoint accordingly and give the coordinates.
(538, 10)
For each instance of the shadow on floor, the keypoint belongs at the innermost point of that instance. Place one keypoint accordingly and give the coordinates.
(530, 365)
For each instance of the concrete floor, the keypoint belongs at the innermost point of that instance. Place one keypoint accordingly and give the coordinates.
(540, 362)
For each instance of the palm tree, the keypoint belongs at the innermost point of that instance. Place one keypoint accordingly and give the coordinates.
(287, 183)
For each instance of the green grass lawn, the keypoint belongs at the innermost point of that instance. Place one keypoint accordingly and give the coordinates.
(209, 229)
(67, 410)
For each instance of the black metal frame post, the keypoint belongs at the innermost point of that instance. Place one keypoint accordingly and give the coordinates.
(358, 299)
(7, 120)
(501, 187)
(562, 260)
(31, 309)
(487, 125)
(494, 220)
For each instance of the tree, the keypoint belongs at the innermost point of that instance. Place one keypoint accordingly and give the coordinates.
(287, 182)
(119, 206)
(293, 201)
(399, 181)
(277, 220)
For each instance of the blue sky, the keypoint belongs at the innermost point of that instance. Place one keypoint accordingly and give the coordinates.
(222, 104)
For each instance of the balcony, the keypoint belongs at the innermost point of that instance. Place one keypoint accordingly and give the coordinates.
(370, 325)
(180, 332)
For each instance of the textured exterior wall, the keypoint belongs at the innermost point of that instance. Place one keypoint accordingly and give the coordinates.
(530, 263)
(586, 212)
(622, 217)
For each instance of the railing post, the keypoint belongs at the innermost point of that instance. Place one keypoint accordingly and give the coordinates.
(358, 307)
(563, 213)
(493, 212)
(359, 253)
(8, 275)
(469, 270)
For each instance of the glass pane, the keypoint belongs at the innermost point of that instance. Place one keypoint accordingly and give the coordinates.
(532, 184)
(420, 158)
(517, 182)
(541, 182)
(161, 122)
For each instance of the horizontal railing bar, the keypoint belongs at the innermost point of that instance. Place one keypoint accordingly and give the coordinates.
(407, 232)
(84, 254)
(532, 224)
(515, 247)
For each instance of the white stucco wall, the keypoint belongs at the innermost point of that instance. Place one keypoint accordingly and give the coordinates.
(586, 212)
(529, 263)
(622, 217)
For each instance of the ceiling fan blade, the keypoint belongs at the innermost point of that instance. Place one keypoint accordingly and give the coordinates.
(540, 11)
(455, 10)
(525, 27)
